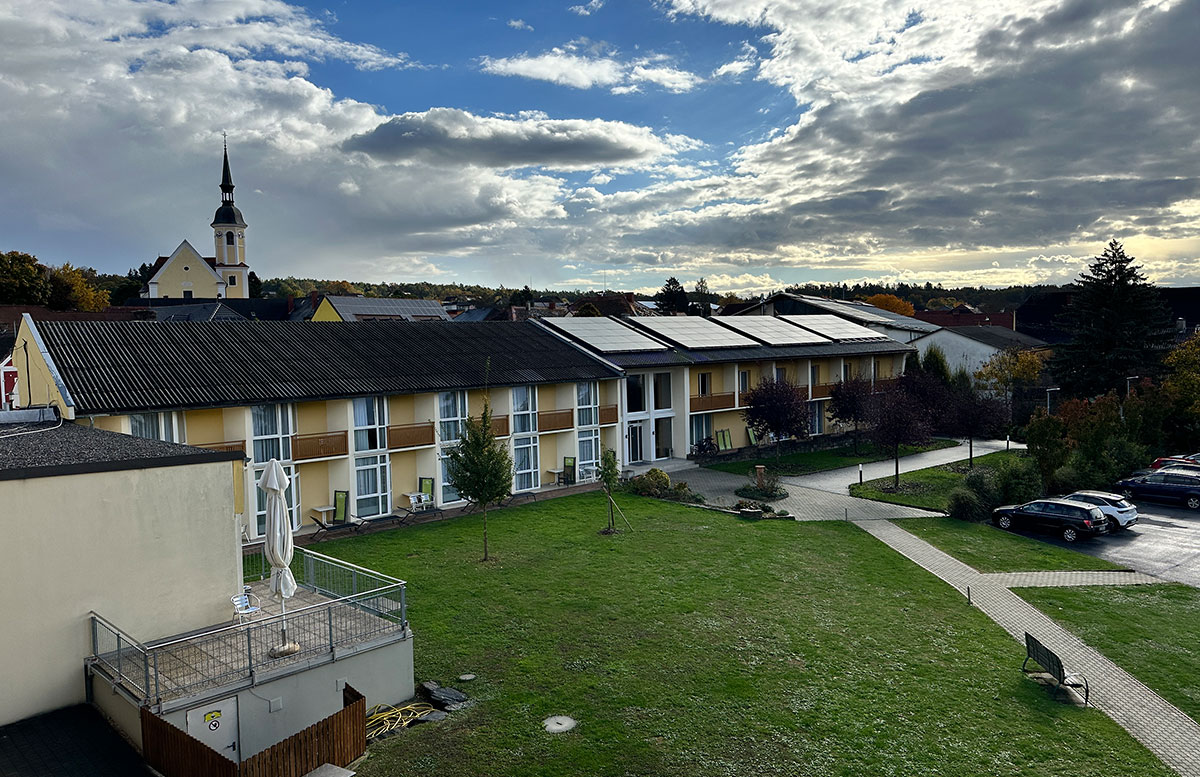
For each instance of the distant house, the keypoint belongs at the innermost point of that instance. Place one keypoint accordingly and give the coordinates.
(336, 308)
(963, 316)
(611, 303)
(970, 347)
(902, 329)
(224, 309)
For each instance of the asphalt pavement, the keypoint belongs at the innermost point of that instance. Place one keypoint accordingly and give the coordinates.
(1164, 543)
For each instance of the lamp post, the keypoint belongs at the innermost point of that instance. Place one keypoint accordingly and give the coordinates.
(1128, 382)
(1053, 388)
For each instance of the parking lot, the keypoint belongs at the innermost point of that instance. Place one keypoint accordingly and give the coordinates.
(1164, 543)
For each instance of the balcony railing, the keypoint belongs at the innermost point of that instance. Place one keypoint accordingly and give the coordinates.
(702, 403)
(500, 425)
(319, 446)
(555, 420)
(743, 397)
(608, 414)
(410, 435)
(229, 446)
(886, 384)
(820, 390)
(362, 605)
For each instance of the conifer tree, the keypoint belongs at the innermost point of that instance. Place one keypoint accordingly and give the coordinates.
(1121, 327)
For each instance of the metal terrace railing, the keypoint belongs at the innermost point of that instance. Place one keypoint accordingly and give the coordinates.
(338, 605)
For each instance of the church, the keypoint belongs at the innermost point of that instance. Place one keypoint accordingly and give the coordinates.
(185, 274)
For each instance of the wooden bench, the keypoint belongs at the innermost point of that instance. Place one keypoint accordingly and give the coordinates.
(1049, 660)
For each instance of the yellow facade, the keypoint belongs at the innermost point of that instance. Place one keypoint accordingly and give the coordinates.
(186, 274)
(326, 312)
(36, 384)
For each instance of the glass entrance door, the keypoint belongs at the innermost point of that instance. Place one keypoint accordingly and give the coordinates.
(635, 443)
(662, 438)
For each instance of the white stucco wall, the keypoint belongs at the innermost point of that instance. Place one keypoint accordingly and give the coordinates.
(960, 351)
(155, 551)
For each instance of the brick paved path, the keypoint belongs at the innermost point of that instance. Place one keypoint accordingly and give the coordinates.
(1157, 724)
(1058, 579)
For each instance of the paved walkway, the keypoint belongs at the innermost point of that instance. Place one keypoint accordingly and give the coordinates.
(1157, 724)
(838, 480)
(1060, 579)
(806, 504)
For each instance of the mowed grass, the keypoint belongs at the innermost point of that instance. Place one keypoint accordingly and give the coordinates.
(927, 488)
(1149, 630)
(989, 549)
(701, 644)
(802, 463)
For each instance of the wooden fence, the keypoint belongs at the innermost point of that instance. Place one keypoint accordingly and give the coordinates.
(338, 739)
(175, 753)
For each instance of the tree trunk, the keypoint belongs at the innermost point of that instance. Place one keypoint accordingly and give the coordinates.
(612, 524)
(856, 438)
(971, 452)
(896, 456)
(485, 547)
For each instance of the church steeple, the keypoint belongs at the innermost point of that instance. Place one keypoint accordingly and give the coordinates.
(229, 236)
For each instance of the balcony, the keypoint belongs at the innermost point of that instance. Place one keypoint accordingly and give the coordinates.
(229, 446)
(555, 420)
(410, 436)
(820, 390)
(608, 414)
(886, 384)
(319, 446)
(337, 605)
(500, 425)
(703, 403)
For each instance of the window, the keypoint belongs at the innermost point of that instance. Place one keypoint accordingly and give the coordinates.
(371, 485)
(587, 402)
(525, 463)
(815, 374)
(743, 381)
(449, 492)
(452, 410)
(233, 280)
(187, 293)
(635, 393)
(701, 427)
(662, 391)
(155, 426)
(845, 370)
(273, 428)
(781, 374)
(291, 498)
(816, 418)
(704, 383)
(524, 409)
(228, 238)
(370, 424)
(589, 447)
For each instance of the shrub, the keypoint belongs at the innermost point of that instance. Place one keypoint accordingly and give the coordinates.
(1017, 481)
(965, 505)
(981, 481)
(654, 483)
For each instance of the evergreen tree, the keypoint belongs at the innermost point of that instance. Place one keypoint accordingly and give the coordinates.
(1121, 326)
(254, 286)
(672, 298)
(934, 363)
(480, 466)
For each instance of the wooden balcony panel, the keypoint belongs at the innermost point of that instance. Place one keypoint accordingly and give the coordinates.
(886, 384)
(743, 396)
(410, 436)
(821, 390)
(227, 446)
(555, 420)
(608, 414)
(319, 446)
(703, 403)
(500, 425)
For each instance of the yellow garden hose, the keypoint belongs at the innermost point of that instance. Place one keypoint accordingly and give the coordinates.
(385, 719)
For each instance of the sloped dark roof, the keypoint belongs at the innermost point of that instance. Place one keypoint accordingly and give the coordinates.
(112, 367)
(205, 311)
(47, 448)
(997, 336)
(264, 309)
(375, 308)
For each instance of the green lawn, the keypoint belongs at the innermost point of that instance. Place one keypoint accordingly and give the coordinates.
(927, 488)
(989, 549)
(817, 461)
(1149, 630)
(704, 645)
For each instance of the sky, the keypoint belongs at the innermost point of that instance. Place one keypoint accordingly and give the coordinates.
(755, 143)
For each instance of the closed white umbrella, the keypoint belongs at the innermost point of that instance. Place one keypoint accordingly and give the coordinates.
(278, 547)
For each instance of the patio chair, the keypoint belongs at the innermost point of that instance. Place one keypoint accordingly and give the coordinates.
(567, 478)
(245, 606)
(343, 520)
(752, 436)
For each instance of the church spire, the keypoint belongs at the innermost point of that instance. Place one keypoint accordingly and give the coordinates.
(227, 215)
(226, 177)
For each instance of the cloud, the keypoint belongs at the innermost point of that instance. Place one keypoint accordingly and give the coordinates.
(588, 8)
(565, 66)
(740, 64)
(520, 24)
(448, 136)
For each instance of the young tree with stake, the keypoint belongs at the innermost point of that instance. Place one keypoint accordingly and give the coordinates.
(480, 467)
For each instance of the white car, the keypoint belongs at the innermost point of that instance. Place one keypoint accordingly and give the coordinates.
(1120, 511)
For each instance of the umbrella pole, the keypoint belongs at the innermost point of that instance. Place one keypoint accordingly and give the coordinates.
(284, 648)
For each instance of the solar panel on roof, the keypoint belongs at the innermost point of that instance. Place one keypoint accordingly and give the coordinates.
(605, 334)
(847, 309)
(695, 332)
(835, 328)
(773, 330)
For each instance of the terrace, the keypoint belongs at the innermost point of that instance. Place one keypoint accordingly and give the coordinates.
(339, 608)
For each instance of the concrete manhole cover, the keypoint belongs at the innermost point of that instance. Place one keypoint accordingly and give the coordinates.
(466, 678)
(557, 724)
